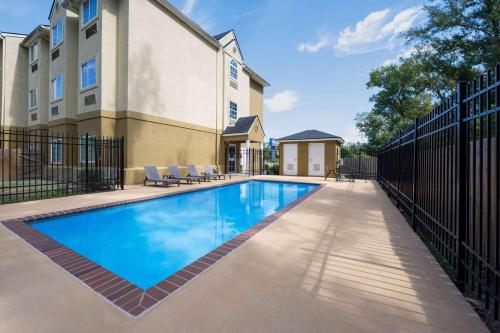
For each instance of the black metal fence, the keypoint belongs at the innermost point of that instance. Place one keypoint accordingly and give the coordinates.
(39, 165)
(359, 162)
(250, 161)
(444, 173)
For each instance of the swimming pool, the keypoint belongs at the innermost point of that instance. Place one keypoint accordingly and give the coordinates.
(146, 242)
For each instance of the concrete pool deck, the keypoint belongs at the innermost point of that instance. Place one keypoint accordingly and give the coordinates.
(344, 260)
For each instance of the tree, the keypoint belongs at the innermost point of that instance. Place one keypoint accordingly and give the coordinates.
(459, 38)
(402, 96)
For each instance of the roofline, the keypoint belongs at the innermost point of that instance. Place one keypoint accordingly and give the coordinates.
(231, 41)
(40, 28)
(256, 77)
(177, 13)
(12, 34)
(311, 140)
(247, 132)
(167, 5)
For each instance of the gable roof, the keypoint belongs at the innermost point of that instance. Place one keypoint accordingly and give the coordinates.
(242, 125)
(42, 30)
(311, 135)
(222, 35)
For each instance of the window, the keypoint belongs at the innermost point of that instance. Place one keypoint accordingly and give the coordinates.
(88, 74)
(91, 148)
(233, 110)
(57, 88)
(57, 33)
(233, 69)
(56, 151)
(89, 11)
(33, 52)
(32, 99)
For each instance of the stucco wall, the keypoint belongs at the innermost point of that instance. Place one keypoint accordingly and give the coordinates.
(171, 70)
(15, 83)
(39, 80)
(239, 94)
(66, 64)
(257, 100)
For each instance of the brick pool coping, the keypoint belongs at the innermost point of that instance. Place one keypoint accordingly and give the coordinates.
(128, 297)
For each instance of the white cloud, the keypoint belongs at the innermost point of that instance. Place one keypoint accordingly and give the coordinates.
(323, 42)
(376, 31)
(189, 7)
(397, 58)
(282, 101)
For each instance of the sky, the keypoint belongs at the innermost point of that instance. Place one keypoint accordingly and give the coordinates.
(316, 54)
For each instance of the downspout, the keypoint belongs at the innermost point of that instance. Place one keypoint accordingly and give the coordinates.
(216, 109)
(2, 102)
(223, 102)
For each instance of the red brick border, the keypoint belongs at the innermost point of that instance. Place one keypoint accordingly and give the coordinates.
(122, 293)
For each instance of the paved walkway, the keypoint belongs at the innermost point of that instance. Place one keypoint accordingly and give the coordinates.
(344, 260)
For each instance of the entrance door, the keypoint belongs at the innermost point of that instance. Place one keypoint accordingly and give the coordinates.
(231, 158)
(290, 151)
(317, 159)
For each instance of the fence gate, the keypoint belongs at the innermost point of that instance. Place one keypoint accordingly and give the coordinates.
(360, 162)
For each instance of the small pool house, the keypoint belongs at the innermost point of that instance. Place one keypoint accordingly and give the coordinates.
(309, 153)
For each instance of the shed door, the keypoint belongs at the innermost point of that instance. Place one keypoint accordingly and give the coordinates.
(290, 159)
(317, 159)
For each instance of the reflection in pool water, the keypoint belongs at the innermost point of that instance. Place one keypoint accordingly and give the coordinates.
(148, 241)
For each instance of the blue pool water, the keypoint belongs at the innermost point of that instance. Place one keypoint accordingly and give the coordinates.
(148, 241)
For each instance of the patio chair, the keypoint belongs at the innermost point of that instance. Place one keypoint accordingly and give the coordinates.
(344, 173)
(193, 172)
(153, 176)
(210, 171)
(175, 173)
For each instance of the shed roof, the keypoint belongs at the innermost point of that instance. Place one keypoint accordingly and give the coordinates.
(311, 135)
(242, 126)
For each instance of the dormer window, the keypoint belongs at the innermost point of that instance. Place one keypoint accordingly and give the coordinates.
(33, 52)
(57, 33)
(89, 9)
(233, 69)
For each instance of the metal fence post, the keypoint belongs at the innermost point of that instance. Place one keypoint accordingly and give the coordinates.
(399, 171)
(87, 162)
(122, 162)
(461, 183)
(415, 170)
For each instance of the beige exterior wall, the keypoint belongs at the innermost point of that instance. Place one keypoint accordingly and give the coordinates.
(171, 70)
(39, 80)
(103, 46)
(161, 83)
(257, 100)
(303, 156)
(14, 103)
(66, 65)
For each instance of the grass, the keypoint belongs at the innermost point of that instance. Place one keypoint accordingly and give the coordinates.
(34, 189)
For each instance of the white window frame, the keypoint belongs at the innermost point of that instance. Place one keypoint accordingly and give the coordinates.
(94, 84)
(56, 154)
(233, 110)
(92, 148)
(53, 89)
(34, 52)
(32, 96)
(91, 19)
(233, 70)
(53, 43)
